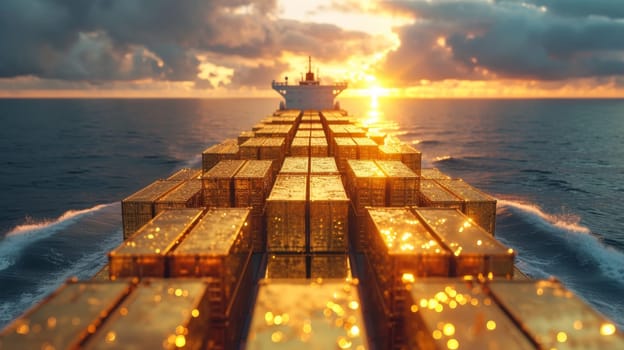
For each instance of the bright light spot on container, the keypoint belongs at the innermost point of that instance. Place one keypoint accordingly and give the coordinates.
(453, 304)
(277, 337)
(278, 320)
(441, 296)
(441, 41)
(123, 311)
(491, 325)
(307, 328)
(578, 325)
(408, 278)
(479, 242)
(91, 329)
(344, 343)
(423, 303)
(354, 331)
(178, 292)
(607, 329)
(510, 251)
(414, 308)
(51, 322)
(23, 329)
(268, 317)
(439, 308)
(195, 313)
(180, 329)
(150, 236)
(437, 334)
(110, 337)
(539, 291)
(180, 341)
(452, 344)
(474, 302)
(157, 229)
(354, 305)
(562, 337)
(448, 329)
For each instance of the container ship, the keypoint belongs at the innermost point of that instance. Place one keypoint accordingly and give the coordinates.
(311, 231)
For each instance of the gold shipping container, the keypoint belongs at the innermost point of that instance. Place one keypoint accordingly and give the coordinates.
(433, 174)
(244, 136)
(366, 184)
(329, 214)
(344, 149)
(218, 246)
(295, 166)
(475, 252)
(143, 254)
(317, 133)
(250, 149)
(311, 119)
(252, 184)
(434, 195)
(477, 205)
(318, 147)
(331, 316)
(286, 214)
(455, 314)
(354, 131)
(65, 318)
(377, 136)
(298, 266)
(185, 174)
(188, 195)
(401, 248)
(375, 307)
(323, 166)
(554, 317)
(366, 148)
(258, 126)
(159, 314)
(138, 208)
(311, 126)
(405, 153)
(300, 147)
(217, 183)
(273, 148)
(281, 266)
(302, 133)
(402, 183)
(227, 149)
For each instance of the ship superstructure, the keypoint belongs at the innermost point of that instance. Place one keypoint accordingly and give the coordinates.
(309, 93)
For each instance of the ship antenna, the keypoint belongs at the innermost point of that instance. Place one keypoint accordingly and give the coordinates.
(309, 64)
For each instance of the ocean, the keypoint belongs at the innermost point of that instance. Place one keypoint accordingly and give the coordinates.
(556, 168)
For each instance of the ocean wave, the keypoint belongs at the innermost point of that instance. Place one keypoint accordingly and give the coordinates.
(578, 237)
(440, 159)
(194, 162)
(32, 231)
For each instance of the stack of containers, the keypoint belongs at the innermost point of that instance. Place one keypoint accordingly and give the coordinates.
(366, 185)
(477, 205)
(344, 150)
(286, 214)
(139, 208)
(475, 251)
(433, 174)
(300, 147)
(252, 184)
(227, 149)
(219, 247)
(328, 212)
(295, 166)
(405, 153)
(323, 166)
(367, 148)
(331, 316)
(155, 314)
(434, 195)
(218, 183)
(144, 253)
(402, 183)
(401, 249)
(187, 195)
(318, 146)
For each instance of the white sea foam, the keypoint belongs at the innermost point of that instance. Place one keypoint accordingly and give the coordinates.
(570, 230)
(22, 235)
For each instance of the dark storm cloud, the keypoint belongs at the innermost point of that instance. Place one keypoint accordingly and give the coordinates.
(510, 39)
(99, 40)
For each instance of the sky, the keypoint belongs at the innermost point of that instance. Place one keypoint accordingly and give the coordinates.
(235, 48)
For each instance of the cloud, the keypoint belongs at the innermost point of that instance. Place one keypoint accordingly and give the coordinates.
(126, 40)
(481, 40)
